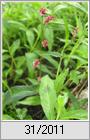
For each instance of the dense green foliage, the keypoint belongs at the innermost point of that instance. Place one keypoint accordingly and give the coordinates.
(45, 61)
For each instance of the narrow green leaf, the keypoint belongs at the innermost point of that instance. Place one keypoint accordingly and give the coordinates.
(30, 57)
(30, 37)
(34, 100)
(78, 6)
(49, 56)
(48, 34)
(44, 69)
(14, 46)
(33, 81)
(60, 7)
(60, 79)
(60, 106)
(17, 24)
(52, 61)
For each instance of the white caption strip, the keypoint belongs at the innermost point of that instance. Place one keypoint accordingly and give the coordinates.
(45, 130)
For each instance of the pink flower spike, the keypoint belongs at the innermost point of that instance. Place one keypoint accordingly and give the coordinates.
(36, 63)
(48, 19)
(43, 11)
(45, 43)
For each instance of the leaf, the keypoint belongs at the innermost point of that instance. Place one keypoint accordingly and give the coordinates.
(66, 31)
(76, 46)
(52, 61)
(20, 61)
(34, 100)
(7, 117)
(30, 37)
(48, 34)
(80, 59)
(78, 6)
(44, 69)
(82, 51)
(14, 47)
(21, 113)
(30, 57)
(48, 97)
(39, 30)
(74, 76)
(81, 31)
(60, 106)
(75, 114)
(6, 57)
(48, 56)
(65, 96)
(60, 7)
(16, 24)
(17, 93)
(4, 51)
(60, 79)
(19, 72)
(33, 81)
(53, 53)
(58, 21)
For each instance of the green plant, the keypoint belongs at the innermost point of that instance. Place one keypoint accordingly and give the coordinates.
(45, 60)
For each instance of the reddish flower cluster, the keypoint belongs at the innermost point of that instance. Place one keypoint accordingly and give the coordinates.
(48, 19)
(36, 63)
(45, 43)
(43, 11)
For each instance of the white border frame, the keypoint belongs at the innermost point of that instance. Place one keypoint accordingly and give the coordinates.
(2, 1)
